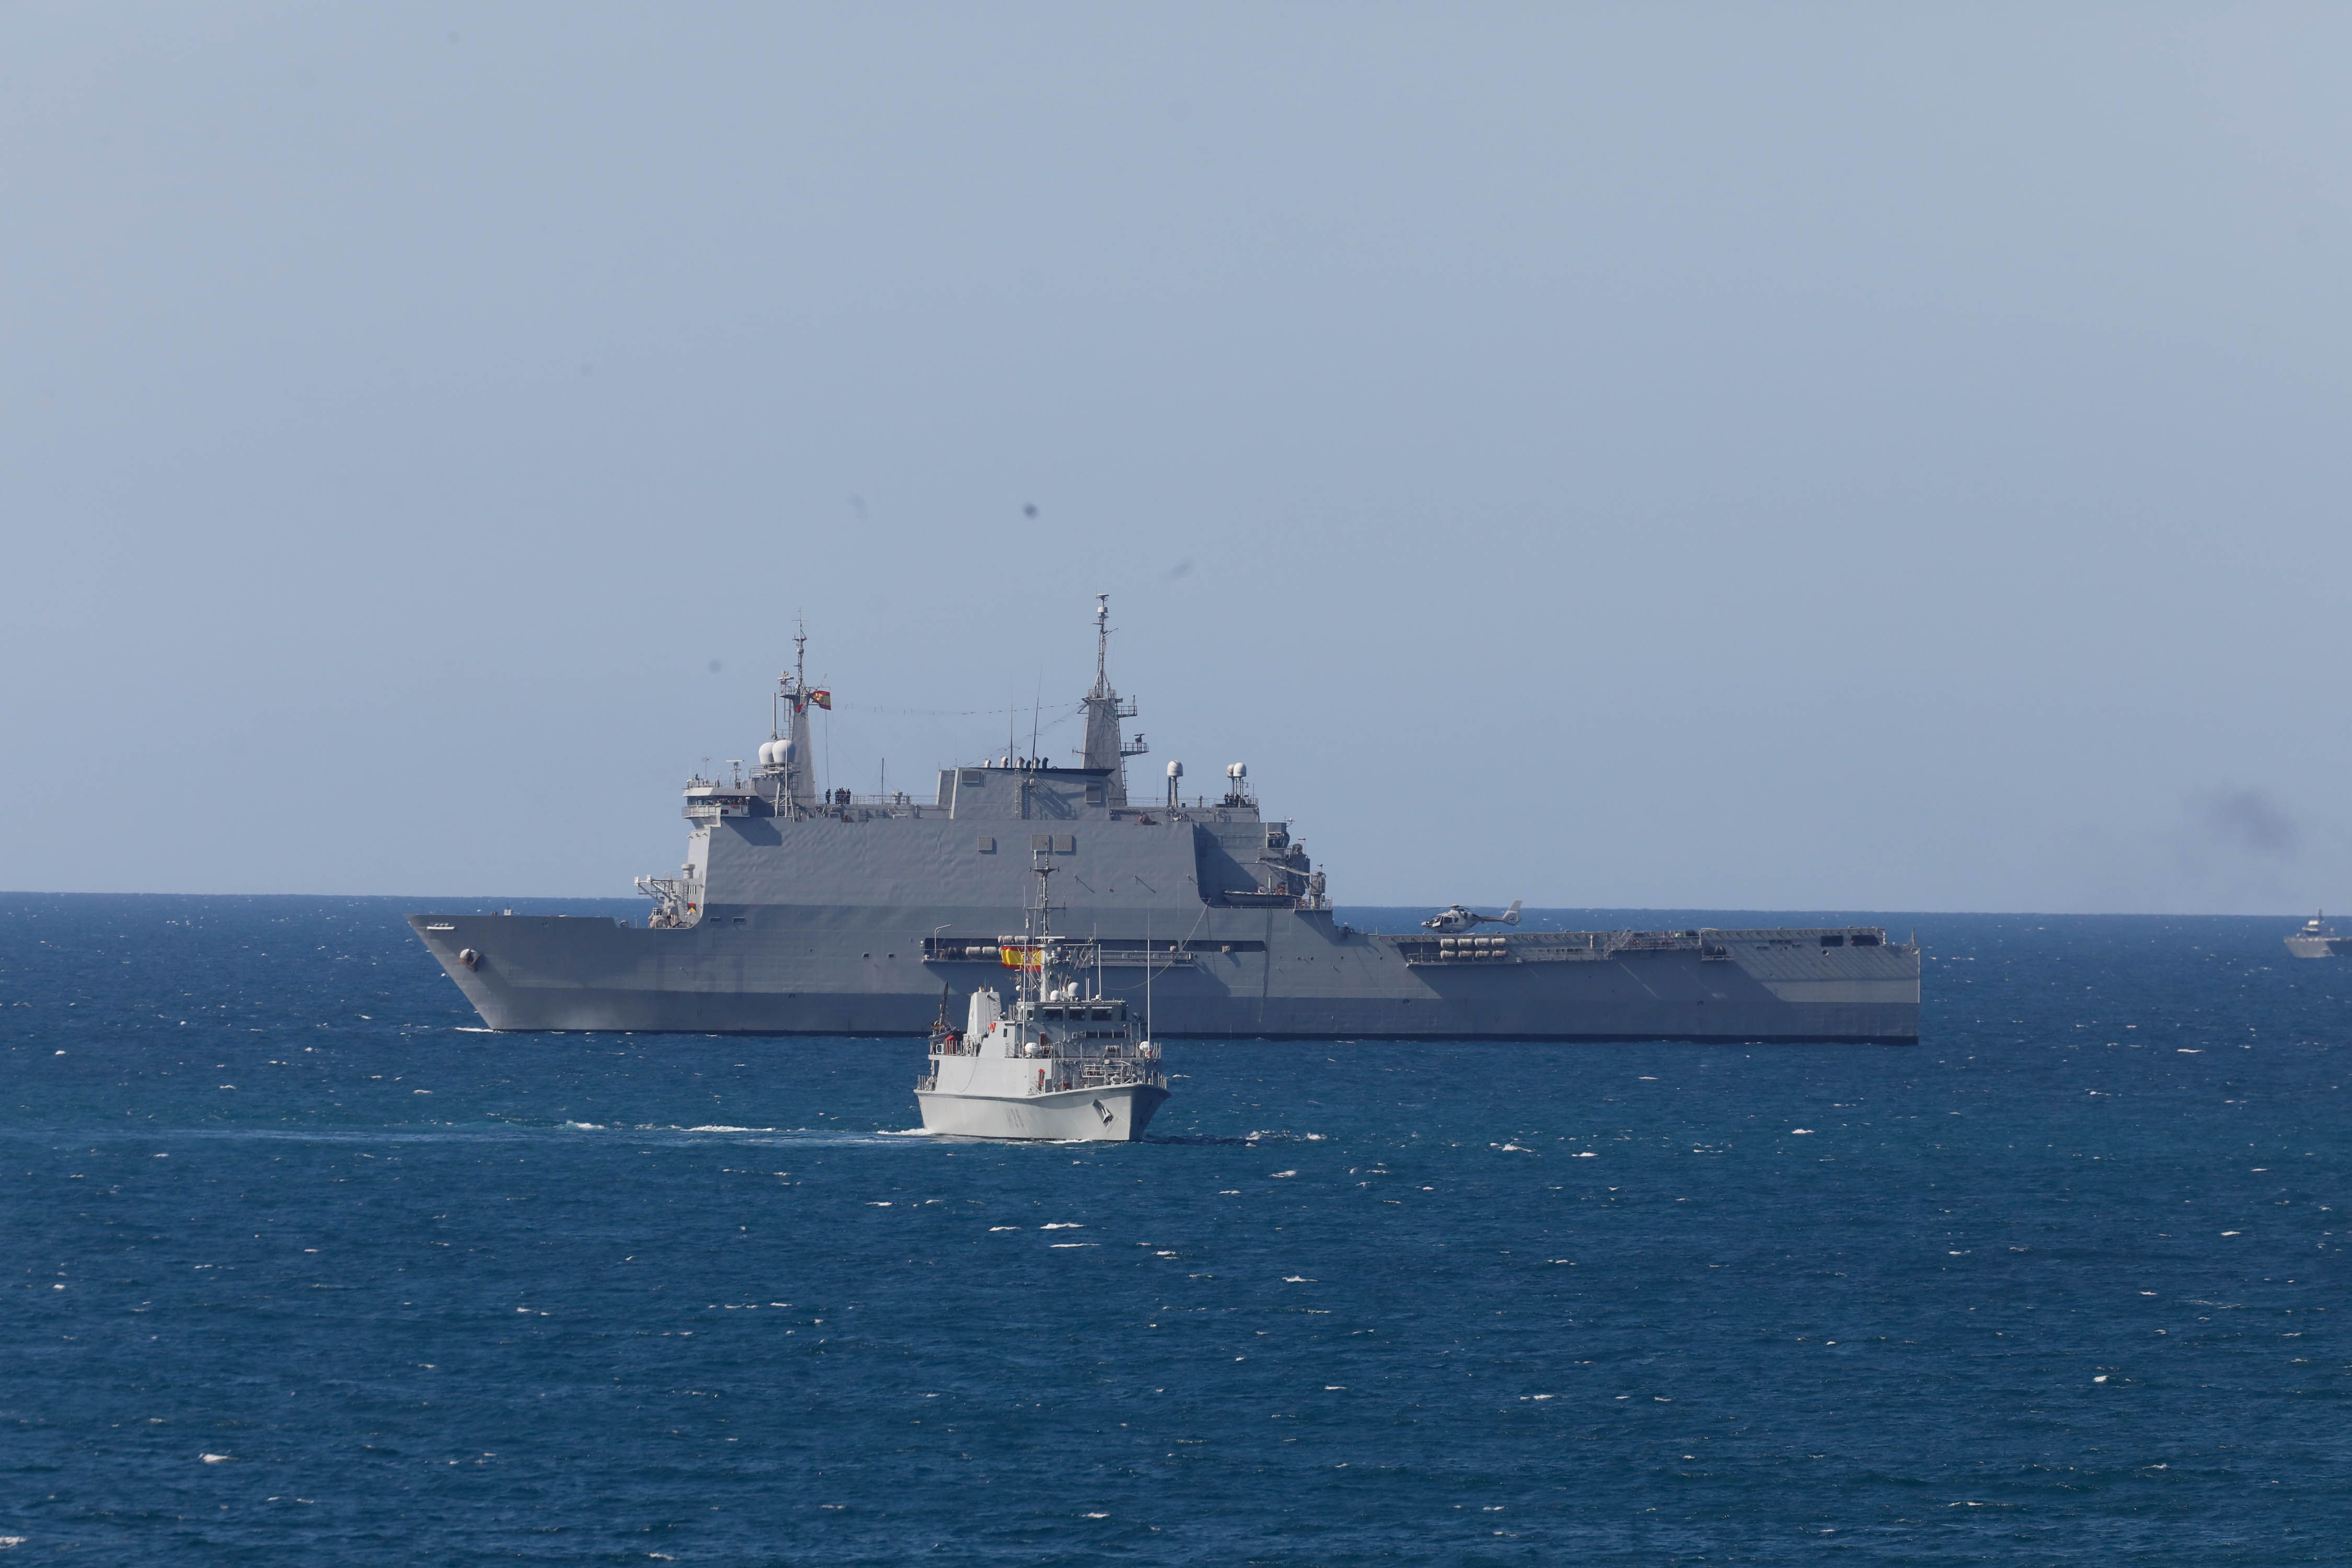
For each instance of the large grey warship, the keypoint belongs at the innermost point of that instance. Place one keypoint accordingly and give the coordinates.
(806, 912)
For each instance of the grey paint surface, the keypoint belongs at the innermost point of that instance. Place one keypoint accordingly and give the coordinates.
(862, 971)
(851, 916)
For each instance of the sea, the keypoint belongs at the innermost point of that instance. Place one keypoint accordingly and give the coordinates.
(304, 1268)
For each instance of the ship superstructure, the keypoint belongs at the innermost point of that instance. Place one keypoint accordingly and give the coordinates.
(801, 910)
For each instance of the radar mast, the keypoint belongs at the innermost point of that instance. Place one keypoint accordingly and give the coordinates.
(793, 754)
(1104, 750)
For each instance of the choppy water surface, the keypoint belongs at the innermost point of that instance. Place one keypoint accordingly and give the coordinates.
(301, 1269)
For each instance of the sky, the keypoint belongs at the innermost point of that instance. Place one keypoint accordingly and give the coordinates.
(1695, 457)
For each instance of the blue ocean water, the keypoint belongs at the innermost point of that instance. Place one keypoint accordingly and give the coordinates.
(299, 1269)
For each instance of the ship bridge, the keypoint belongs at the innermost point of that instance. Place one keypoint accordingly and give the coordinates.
(770, 842)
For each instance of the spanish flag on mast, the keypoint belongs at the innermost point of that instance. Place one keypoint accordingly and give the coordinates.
(1015, 957)
(820, 698)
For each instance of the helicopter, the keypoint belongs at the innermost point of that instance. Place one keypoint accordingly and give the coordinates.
(1456, 917)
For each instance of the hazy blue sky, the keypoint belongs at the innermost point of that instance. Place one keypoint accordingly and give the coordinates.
(1723, 457)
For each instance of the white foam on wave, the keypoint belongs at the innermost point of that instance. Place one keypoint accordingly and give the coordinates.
(770, 1137)
(469, 1029)
(902, 1133)
(1063, 1225)
(586, 1126)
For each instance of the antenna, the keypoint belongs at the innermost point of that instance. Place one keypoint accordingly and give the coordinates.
(1102, 637)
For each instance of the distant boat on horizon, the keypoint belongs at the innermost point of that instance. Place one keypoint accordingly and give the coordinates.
(2317, 939)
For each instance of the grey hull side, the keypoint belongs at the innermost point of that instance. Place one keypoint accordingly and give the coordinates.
(864, 973)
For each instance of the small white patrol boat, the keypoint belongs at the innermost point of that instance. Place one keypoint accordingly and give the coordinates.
(1066, 1063)
(2317, 939)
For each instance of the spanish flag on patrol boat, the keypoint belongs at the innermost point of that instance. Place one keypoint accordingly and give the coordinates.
(822, 698)
(1016, 957)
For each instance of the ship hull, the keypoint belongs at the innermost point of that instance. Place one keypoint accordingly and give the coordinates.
(2318, 946)
(1275, 975)
(1113, 1115)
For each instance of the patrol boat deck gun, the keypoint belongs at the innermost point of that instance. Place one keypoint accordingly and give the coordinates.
(812, 912)
(1065, 1062)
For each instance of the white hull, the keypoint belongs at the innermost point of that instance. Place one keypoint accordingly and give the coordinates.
(1118, 1114)
(2315, 946)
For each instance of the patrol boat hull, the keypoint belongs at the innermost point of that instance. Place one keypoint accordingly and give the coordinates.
(1115, 1115)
